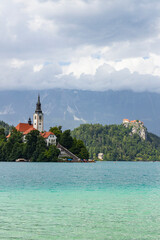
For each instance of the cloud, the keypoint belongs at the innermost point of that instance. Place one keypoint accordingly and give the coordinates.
(107, 78)
(7, 110)
(81, 44)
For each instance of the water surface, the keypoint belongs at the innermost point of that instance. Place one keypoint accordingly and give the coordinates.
(103, 200)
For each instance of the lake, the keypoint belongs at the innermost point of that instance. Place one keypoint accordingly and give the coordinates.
(101, 201)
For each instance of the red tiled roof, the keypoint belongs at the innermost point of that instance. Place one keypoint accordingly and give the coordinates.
(29, 130)
(23, 127)
(127, 120)
(46, 134)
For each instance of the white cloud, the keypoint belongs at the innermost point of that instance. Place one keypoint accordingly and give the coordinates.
(16, 63)
(37, 68)
(7, 110)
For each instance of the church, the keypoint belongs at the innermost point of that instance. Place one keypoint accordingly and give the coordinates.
(38, 124)
(50, 137)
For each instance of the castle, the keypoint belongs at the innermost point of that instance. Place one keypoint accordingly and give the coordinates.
(38, 124)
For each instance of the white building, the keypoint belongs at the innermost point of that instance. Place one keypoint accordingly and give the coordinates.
(100, 156)
(49, 137)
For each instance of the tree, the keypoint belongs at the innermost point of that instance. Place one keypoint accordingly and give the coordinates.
(57, 131)
(83, 153)
(51, 155)
(17, 151)
(41, 146)
(31, 143)
(66, 140)
(2, 135)
(15, 141)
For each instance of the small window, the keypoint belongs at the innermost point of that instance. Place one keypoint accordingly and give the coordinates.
(35, 117)
(39, 123)
(40, 117)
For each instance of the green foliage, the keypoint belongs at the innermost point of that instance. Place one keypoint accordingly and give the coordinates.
(31, 144)
(13, 148)
(66, 140)
(36, 148)
(75, 146)
(51, 155)
(116, 143)
(38, 154)
(7, 128)
(57, 131)
(79, 149)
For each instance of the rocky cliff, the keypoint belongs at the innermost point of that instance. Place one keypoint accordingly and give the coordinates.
(137, 127)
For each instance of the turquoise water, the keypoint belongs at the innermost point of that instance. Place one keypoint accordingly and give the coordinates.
(103, 200)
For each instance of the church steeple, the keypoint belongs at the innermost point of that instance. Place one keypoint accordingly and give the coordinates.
(38, 116)
(38, 105)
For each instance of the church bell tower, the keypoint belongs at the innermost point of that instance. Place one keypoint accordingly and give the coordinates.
(38, 117)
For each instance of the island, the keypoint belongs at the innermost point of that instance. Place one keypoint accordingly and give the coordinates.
(128, 141)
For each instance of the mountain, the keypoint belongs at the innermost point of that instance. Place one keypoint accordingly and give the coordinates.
(70, 108)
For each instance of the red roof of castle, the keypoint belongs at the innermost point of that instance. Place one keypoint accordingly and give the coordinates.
(127, 120)
(47, 134)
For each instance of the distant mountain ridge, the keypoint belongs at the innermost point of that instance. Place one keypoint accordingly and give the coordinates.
(70, 108)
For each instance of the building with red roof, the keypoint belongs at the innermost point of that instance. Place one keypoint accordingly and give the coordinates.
(26, 128)
(23, 127)
(49, 137)
(126, 120)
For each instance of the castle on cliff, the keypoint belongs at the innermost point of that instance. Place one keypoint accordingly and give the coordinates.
(137, 127)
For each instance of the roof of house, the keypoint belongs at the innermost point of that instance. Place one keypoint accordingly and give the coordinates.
(26, 128)
(47, 134)
(23, 127)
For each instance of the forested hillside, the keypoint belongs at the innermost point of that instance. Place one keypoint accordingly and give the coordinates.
(6, 127)
(116, 143)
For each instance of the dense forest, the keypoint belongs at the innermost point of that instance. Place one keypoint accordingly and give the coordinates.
(117, 143)
(35, 148)
(7, 127)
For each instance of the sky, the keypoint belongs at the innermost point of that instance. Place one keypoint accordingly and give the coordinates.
(93, 45)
